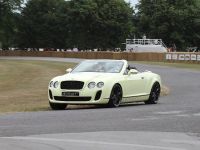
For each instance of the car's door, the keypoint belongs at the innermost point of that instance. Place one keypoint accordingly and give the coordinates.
(134, 85)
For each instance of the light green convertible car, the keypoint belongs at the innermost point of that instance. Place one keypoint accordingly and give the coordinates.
(103, 82)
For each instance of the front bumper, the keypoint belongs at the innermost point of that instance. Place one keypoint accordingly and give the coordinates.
(86, 96)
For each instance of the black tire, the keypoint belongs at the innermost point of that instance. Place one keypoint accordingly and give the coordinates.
(56, 106)
(115, 96)
(154, 95)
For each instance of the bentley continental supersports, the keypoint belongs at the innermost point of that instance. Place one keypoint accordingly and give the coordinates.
(103, 82)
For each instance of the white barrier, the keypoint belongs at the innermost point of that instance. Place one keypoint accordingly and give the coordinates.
(182, 57)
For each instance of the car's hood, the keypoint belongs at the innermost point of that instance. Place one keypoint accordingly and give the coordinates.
(86, 76)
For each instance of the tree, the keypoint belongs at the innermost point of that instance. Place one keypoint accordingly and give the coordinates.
(76, 23)
(100, 23)
(8, 16)
(173, 21)
(43, 24)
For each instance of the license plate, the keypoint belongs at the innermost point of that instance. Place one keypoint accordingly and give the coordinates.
(70, 93)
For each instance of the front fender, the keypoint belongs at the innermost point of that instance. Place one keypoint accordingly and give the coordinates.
(155, 78)
(108, 86)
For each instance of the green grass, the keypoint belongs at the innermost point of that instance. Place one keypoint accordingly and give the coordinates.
(23, 84)
(176, 65)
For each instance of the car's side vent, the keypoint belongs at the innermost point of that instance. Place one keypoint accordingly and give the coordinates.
(50, 94)
(98, 95)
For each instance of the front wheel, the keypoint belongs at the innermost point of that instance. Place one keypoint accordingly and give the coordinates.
(115, 96)
(154, 95)
(56, 106)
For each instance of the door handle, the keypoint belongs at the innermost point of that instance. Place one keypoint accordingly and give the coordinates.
(142, 77)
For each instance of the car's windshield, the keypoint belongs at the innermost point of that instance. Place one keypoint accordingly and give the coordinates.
(99, 66)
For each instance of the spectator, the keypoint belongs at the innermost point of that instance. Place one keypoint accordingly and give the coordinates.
(174, 47)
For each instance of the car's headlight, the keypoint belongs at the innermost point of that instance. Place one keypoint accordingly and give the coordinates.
(91, 85)
(51, 84)
(55, 85)
(100, 84)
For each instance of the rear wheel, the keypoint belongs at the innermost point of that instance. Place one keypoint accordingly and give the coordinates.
(115, 96)
(154, 95)
(56, 106)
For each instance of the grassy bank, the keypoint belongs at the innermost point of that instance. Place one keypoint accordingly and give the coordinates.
(23, 84)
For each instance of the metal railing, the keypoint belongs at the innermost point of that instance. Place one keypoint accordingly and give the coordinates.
(145, 42)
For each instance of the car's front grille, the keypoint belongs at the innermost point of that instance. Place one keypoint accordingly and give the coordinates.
(60, 98)
(72, 85)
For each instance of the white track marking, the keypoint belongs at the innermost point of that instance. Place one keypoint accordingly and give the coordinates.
(183, 142)
(197, 114)
(168, 112)
(94, 142)
(183, 115)
(145, 118)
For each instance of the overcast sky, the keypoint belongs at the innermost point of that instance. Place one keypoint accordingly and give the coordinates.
(133, 2)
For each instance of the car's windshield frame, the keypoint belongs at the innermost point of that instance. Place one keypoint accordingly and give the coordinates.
(116, 66)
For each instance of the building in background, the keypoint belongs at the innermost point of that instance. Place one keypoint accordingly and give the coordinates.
(145, 45)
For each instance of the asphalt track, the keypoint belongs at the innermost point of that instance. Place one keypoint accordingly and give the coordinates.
(173, 124)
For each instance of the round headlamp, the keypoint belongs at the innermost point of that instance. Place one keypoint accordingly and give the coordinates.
(55, 85)
(91, 85)
(100, 84)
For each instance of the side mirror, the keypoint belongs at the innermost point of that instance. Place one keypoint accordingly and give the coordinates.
(68, 70)
(132, 71)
